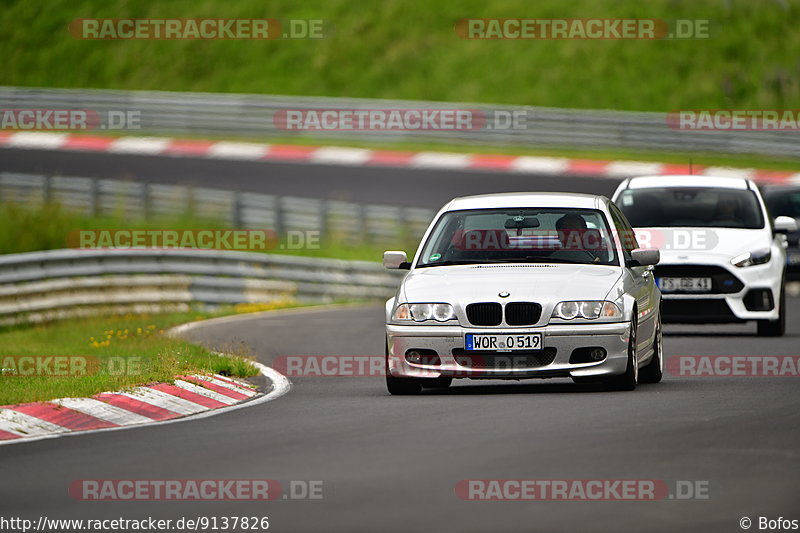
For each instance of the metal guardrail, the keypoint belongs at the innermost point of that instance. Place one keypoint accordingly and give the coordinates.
(333, 219)
(252, 116)
(41, 286)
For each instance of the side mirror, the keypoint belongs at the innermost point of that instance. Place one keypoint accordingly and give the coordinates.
(644, 257)
(785, 225)
(396, 260)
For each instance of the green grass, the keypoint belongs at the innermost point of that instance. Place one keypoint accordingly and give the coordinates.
(120, 352)
(409, 49)
(47, 227)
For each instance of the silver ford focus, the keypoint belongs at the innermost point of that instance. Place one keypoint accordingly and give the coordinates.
(525, 285)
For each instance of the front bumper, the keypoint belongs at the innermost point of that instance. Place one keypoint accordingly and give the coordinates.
(444, 340)
(744, 304)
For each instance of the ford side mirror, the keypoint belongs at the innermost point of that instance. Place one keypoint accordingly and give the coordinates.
(785, 224)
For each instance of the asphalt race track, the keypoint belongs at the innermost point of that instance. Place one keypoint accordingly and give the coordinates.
(391, 463)
(375, 185)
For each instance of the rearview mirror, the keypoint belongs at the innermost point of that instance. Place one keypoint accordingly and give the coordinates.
(396, 260)
(785, 225)
(644, 257)
(521, 222)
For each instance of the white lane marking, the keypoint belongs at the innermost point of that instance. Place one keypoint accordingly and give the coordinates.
(103, 411)
(34, 139)
(165, 401)
(341, 156)
(240, 388)
(540, 165)
(237, 150)
(440, 160)
(629, 169)
(139, 145)
(208, 393)
(26, 425)
(730, 172)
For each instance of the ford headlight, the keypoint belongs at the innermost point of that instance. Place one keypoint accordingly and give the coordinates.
(752, 258)
(589, 309)
(440, 312)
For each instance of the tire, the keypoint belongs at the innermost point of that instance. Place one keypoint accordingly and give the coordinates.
(400, 386)
(654, 370)
(775, 328)
(629, 379)
(436, 383)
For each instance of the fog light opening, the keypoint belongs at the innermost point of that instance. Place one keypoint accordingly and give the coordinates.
(766, 301)
(597, 354)
(413, 356)
(423, 357)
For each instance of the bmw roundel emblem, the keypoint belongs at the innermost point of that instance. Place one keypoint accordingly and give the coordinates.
(504, 294)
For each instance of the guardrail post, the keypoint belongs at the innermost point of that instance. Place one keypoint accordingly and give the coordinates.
(47, 189)
(280, 222)
(238, 219)
(324, 218)
(94, 196)
(145, 200)
(362, 233)
(188, 207)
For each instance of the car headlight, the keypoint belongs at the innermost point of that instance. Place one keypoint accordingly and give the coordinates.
(439, 312)
(752, 258)
(589, 309)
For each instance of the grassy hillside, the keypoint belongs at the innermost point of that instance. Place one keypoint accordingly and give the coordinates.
(409, 49)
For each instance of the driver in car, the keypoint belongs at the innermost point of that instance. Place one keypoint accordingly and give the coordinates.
(576, 239)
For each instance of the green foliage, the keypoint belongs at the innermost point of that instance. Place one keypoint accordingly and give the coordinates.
(409, 49)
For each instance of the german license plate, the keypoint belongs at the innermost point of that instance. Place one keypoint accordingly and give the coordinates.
(503, 342)
(684, 284)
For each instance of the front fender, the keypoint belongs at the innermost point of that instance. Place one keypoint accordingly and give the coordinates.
(389, 308)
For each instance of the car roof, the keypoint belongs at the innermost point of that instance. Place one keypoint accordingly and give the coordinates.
(646, 182)
(527, 199)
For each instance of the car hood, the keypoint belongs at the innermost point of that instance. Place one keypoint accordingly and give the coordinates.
(463, 284)
(703, 245)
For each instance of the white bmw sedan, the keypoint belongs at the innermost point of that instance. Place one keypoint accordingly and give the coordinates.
(525, 285)
(723, 258)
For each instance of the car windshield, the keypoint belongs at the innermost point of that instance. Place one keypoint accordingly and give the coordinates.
(579, 236)
(783, 203)
(705, 207)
